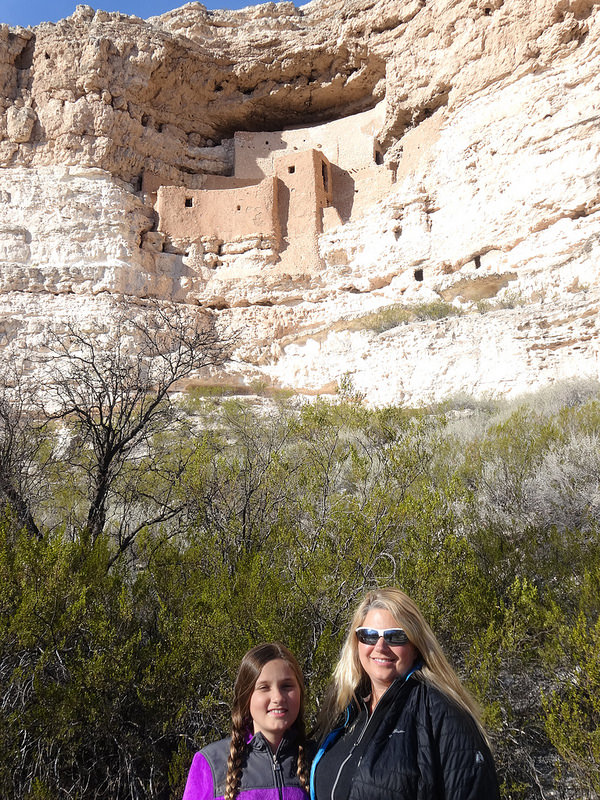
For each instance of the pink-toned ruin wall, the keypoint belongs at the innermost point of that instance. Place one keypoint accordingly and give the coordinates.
(225, 214)
(306, 177)
(302, 195)
(305, 189)
(347, 142)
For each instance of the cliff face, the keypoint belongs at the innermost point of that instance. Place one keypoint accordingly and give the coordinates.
(480, 189)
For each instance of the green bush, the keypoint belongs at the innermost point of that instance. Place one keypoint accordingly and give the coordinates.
(115, 668)
(391, 316)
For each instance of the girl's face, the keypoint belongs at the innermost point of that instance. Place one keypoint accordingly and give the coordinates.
(275, 701)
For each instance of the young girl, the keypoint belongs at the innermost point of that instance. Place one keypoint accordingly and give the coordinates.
(266, 756)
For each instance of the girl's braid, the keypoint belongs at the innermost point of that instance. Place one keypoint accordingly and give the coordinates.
(302, 769)
(237, 751)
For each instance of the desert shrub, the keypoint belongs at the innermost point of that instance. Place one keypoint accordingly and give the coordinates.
(391, 316)
(383, 319)
(572, 710)
(436, 309)
(511, 298)
(114, 669)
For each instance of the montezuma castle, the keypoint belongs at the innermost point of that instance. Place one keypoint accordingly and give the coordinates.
(402, 192)
(286, 188)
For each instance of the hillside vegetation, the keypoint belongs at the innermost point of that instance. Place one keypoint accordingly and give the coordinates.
(117, 657)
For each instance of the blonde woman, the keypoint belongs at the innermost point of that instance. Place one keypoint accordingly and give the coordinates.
(266, 757)
(399, 724)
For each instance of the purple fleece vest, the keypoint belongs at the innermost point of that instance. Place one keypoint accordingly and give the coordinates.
(207, 773)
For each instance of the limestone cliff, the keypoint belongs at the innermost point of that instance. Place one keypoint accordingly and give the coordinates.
(459, 147)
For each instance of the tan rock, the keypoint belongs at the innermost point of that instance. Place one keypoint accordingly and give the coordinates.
(463, 144)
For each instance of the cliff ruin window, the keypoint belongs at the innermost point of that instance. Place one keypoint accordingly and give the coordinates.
(291, 170)
(324, 174)
(238, 208)
(418, 274)
(378, 157)
(487, 11)
(477, 260)
(189, 202)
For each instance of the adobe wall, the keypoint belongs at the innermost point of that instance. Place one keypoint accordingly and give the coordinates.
(187, 215)
(305, 189)
(354, 192)
(347, 142)
(302, 195)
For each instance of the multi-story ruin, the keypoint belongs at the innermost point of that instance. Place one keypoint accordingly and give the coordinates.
(287, 187)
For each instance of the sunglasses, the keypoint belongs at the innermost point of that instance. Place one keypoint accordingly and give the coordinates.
(392, 636)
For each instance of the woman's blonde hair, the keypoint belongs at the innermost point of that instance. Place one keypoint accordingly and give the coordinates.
(350, 681)
(241, 720)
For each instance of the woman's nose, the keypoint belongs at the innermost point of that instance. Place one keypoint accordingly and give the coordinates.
(381, 644)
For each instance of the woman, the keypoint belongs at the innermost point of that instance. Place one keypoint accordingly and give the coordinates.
(400, 724)
(265, 757)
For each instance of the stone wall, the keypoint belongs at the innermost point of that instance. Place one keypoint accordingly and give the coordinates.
(349, 143)
(226, 214)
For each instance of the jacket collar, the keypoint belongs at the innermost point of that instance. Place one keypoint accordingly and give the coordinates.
(256, 741)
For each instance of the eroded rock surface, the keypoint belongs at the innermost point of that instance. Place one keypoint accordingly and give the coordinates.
(483, 191)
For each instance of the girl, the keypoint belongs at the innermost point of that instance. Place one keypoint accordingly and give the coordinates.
(265, 758)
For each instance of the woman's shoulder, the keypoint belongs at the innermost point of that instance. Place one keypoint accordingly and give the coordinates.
(446, 715)
(310, 748)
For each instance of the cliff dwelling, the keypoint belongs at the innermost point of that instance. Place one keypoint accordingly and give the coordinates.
(286, 188)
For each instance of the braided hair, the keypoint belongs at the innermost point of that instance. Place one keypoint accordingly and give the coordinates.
(303, 764)
(241, 721)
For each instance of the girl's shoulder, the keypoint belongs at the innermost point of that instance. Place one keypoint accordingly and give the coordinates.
(207, 772)
(216, 754)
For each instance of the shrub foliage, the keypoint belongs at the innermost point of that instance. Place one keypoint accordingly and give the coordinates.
(116, 664)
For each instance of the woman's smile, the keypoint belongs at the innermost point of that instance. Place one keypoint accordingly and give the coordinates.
(382, 662)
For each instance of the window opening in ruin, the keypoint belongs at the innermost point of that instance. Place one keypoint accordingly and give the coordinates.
(418, 274)
(325, 177)
(477, 262)
(238, 208)
(189, 202)
(378, 157)
(487, 11)
(291, 170)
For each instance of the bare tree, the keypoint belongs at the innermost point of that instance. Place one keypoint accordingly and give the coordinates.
(113, 393)
(24, 450)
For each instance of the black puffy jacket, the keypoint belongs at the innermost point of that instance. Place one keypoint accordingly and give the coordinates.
(417, 745)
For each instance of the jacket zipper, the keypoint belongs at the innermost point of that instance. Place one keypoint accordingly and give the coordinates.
(349, 756)
(333, 736)
(277, 776)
